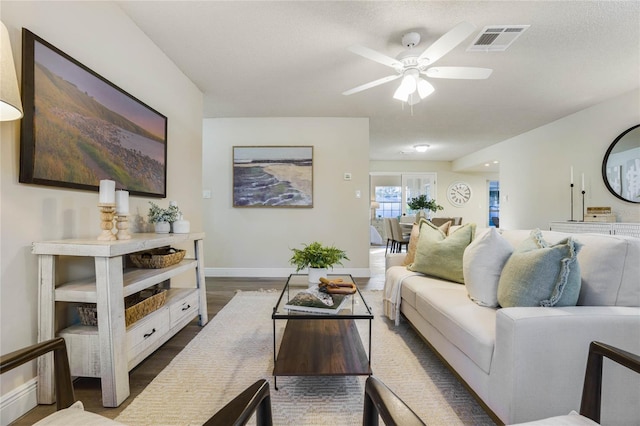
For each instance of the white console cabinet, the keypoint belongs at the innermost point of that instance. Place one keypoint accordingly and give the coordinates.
(110, 349)
(611, 228)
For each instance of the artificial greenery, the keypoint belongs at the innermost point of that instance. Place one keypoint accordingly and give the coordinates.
(422, 203)
(315, 255)
(158, 214)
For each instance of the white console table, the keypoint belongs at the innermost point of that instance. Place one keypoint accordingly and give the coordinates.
(611, 228)
(110, 349)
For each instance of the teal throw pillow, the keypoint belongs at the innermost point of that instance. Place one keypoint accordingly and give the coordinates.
(539, 274)
(440, 255)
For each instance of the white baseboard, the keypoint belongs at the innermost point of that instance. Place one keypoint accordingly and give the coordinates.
(277, 272)
(18, 402)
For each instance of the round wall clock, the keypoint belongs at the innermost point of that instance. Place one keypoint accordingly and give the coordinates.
(459, 193)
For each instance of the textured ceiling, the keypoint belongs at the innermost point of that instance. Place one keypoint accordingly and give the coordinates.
(290, 59)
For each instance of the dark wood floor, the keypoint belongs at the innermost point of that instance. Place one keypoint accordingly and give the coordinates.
(219, 292)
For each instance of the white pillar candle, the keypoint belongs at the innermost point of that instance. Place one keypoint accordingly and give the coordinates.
(583, 181)
(107, 191)
(122, 203)
(571, 174)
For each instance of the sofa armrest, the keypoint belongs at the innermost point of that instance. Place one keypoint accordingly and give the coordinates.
(394, 259)
(540, 356)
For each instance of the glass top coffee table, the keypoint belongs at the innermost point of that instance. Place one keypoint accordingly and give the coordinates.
(320, 344)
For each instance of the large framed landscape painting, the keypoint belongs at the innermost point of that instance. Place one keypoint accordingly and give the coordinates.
(79, 128)
(273, 176)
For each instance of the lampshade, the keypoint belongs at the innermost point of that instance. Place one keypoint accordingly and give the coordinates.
(10, 104)
(375, 205)
(424, 88)
(407, 86)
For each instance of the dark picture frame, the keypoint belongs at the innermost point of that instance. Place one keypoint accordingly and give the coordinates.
(79, 128)
(273, 176)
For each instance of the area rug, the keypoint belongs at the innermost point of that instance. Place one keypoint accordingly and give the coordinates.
(236, 348)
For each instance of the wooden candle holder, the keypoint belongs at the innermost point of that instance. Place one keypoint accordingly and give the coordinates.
(122, 223)
(107, 212)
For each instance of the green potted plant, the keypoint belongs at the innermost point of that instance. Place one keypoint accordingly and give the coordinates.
(318, 259)
(421, 203)
(162, 218)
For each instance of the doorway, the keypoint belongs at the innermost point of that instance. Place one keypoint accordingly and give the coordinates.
(494, 203)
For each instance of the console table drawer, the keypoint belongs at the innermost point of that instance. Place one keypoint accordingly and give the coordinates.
(185, 306)
(147, 331)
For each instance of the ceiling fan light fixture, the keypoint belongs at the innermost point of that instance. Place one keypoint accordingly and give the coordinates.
(425, 88)
(401, 94)
(408, 86)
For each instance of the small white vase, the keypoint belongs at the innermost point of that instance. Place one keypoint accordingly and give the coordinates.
(316, 273)
(181, 226)
(162, 227)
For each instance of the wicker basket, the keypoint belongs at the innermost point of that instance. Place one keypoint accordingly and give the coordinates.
(157, 258)
(137, 306)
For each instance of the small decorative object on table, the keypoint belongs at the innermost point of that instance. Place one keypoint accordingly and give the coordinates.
(336, 286)
(107, 204)
(158, 215)
(181, 226)
(315, 255)
(316, 301)
(157, 258)
(122, 215)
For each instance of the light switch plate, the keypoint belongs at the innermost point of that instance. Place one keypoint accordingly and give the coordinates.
(347, 176)
(206, 193)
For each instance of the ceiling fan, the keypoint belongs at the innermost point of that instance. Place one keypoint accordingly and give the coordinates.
(411, 64)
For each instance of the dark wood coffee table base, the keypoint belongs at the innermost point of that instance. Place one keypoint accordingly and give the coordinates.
(321, 347)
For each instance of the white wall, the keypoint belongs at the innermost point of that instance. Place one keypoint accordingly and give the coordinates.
(475, 211)
(100, 36)
(535, 166)
(257, 241)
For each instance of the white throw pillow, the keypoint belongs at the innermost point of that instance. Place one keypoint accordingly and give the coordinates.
(76, 416)
(482, 265)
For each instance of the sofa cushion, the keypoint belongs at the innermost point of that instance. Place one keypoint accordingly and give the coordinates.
(76, 416)
(413, 240)
(439, 255)
(413, 285)
(609, 266)
(471, 328)
(571, 419)
(539, 274)
(482, 265)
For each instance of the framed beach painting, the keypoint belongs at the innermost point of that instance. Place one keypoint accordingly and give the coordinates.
(79, 128)
(273, 176)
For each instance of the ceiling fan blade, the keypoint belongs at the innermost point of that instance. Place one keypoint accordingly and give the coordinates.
(465, 73)
(376, 56)
(447, 42)
(372, 84)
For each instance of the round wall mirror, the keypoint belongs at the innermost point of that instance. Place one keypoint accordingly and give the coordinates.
(621, 166)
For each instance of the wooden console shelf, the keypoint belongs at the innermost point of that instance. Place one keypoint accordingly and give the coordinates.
(110, 349)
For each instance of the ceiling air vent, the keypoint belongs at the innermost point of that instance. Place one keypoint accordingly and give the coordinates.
(496, 38)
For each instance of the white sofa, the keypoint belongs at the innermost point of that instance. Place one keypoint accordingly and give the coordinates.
(528, 363)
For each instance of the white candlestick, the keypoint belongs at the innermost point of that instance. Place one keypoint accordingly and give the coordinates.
(583, 181)
(107, 191)
(122, 203)
(571, 174)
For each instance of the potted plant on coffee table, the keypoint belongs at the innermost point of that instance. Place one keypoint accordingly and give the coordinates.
(318, 258)
(421, 203)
